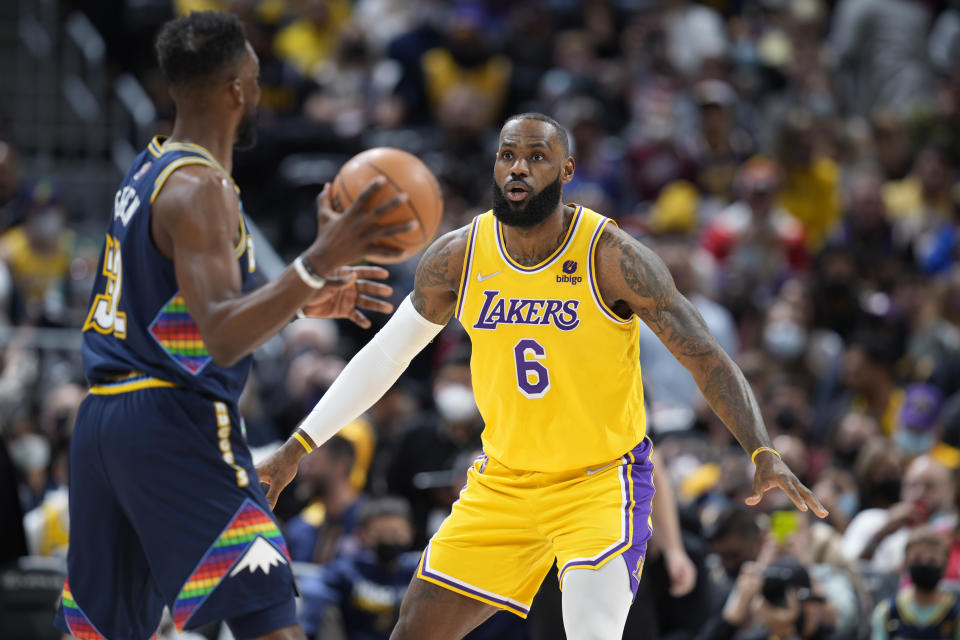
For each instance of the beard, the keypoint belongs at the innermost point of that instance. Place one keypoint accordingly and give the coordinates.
(246, 131)
(535, 210)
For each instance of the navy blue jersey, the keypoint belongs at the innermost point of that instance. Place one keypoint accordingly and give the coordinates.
(138, 332)
(367, 594)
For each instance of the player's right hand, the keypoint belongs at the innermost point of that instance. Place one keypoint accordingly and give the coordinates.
(345, 238)
(279, 468)
(772, 472)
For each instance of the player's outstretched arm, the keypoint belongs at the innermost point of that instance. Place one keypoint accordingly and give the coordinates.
(632, 278)
(375, 368)
(195, 223)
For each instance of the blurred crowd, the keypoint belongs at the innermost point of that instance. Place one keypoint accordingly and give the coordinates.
(795, 164)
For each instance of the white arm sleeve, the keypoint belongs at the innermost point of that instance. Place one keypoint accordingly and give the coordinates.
(371, 372)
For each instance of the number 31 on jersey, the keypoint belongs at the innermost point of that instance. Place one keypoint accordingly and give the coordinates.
(104, 316)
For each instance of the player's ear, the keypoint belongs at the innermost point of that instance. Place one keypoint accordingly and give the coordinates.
(566, 170)
(236, 92)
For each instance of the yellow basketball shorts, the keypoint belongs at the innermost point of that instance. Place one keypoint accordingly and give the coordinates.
(508, 526)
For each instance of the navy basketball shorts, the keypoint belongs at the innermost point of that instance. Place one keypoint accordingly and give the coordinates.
(166, 509)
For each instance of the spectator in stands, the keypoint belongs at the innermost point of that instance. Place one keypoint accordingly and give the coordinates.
(365, 587)
(723, 145)
(13, 543)
(868, 375)
(598, 180)
(755, 242)
(695, 36)
(865, 230)
(38, 254)
(311, 37)
(465, 60)
(879, 536)
(353, 87)
(735, 538)
(19, 376)
(920, 205)
(811, 179)
(918, 425)
(670, 389)
(882, 53)
(921, 609)
(30, 453)
(816, 546)
(9, 186)
(658, 154)
(773, 599)
(323, 529)
(435, 442)
(878, 469)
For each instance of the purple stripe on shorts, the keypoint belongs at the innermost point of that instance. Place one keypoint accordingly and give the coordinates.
(642, 478)
(638, 474)
(462, 586)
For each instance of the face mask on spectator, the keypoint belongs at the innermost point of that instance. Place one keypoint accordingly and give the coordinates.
(784, 340)
(926, 577)
(455, 403)
(47, 225)
(388, 552)
(913, 443)
(30, 452)
(849, 503)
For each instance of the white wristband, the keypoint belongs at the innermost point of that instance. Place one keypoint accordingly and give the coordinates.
(309, 279)
(371, 372)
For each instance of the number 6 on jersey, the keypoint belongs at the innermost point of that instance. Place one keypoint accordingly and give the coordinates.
(533, 379)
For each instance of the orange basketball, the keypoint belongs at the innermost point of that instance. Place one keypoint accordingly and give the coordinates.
(405, 173)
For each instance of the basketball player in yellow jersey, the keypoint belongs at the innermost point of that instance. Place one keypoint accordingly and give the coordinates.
(551, 295)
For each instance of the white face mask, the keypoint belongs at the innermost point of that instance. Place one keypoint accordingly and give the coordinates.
(913, 443)
(784, 340)
(455, 403)
(30, 452)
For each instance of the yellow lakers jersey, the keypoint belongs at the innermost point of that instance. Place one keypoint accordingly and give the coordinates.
(556, 373)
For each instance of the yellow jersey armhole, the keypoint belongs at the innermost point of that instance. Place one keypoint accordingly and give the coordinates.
(592, 276)
(467, 266)
(173, 166)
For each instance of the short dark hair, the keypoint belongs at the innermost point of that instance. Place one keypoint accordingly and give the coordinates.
(534, 115)
(927, 537)
(385, 506)
(199, 47)
(339, 448)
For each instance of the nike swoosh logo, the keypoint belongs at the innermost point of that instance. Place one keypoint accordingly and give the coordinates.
(481, 277)
(590, 472)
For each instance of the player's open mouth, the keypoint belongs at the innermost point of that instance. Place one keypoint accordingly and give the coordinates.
(516, 192)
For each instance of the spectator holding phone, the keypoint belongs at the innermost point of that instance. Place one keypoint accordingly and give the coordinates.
(879, 536)
(921, 609)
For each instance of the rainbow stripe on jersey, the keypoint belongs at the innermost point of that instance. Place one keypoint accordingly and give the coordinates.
(78, 623)
(175, 331)
(249, 523)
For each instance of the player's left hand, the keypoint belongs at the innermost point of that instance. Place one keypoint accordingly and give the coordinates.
(348, 290)
(682, 572)
(773, 472)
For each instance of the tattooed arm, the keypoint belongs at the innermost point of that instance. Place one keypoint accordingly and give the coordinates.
(632, 279)
(376, 367)
(438, 276)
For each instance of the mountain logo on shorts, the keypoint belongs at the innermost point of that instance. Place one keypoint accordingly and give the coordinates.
(260, 556)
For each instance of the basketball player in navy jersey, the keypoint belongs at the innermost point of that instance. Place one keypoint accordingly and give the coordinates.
(165, 506)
